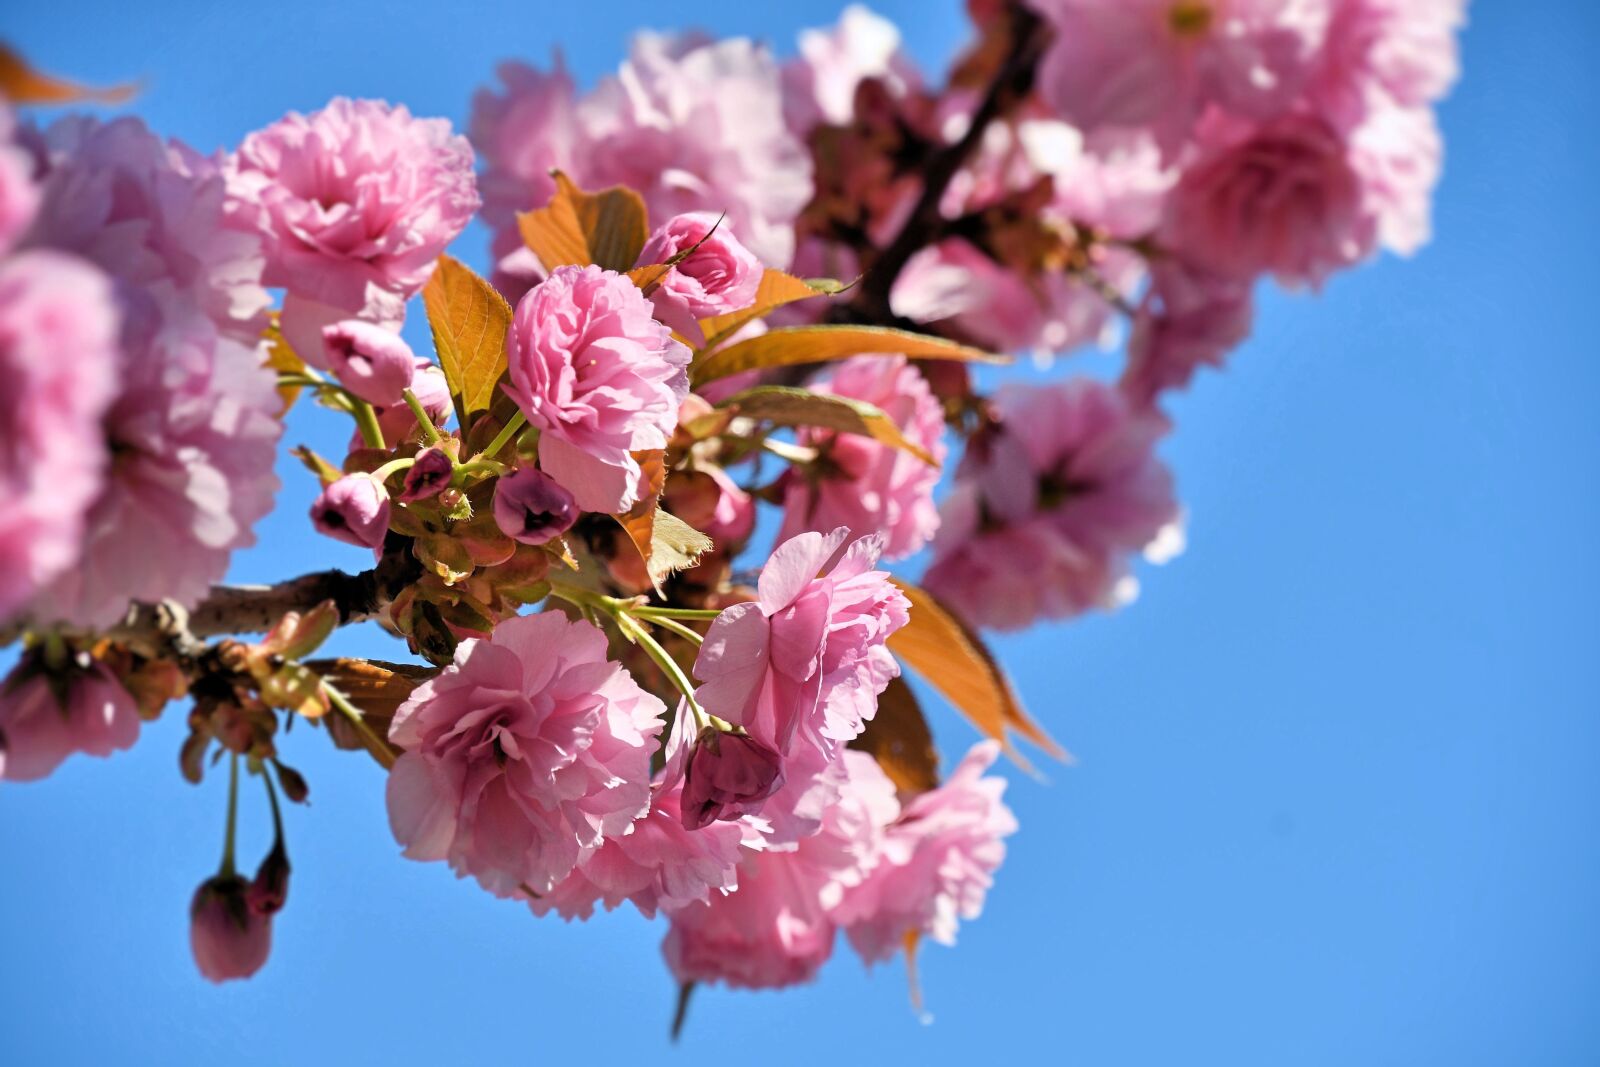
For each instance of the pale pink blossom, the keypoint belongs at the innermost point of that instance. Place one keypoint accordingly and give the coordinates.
(524, 756)
(356, 202)
(600, 378)
(1399, 155)
(58, 359)
(194, 429)
(156, 216)
(1282, 197)
(861, 483)
(718, 276)
(1049, 505)
(1380, 51)
(355, 509)
(45, 719)
(1188, 319)
(373, 363)
(775, 930)
(228, 937)
(658, 864)
(1158, 64)
(936, 862)
(820, 84)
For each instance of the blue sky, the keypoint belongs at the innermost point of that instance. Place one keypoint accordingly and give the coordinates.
(1338, 783)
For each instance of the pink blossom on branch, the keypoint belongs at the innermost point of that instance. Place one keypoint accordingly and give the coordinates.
(861, 483)
(45, 719)
(599, 377)
(718, 276)
(355, 202)
(1049, 506)
(936, 864)
(524, 756)
(58, 358)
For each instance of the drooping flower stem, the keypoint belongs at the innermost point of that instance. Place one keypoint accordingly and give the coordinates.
(376, 745)
(228, 869)
(501, 439)
(367, 422)
(678, 628)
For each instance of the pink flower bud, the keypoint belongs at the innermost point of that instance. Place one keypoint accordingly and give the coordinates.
(397, 421)
(428, 476)
(228, 938)
(46, 717)
(531, 507)
(354, 509)
(270, 890)
(720, 274)
(370, 361)
(727, 775)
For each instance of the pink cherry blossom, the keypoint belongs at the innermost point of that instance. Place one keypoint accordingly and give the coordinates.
(820, 84)
(228, 937)
(1380, 51)
(355, 510)
(1157, 64)
(1399, 155)
(58, 358)
(523, 756)
(936, 863)
(1044, 516)
(373, 363)
(594, 371)
(775, 930)
(355, 201)
(1188, 319)
(727, 775)
(861, 483)
(156, 217)
(658, 864)
(429, 476)
(719, 276)
(1283, 197)
(43, 720)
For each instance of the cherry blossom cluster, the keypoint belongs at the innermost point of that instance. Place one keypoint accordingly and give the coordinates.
(719, 281)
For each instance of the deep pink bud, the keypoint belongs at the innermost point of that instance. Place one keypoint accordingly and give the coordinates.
(228, 939)
(354, 509)
(532, 507)
(270, 890)
(428, 476)
(727, 775)
(370, 361)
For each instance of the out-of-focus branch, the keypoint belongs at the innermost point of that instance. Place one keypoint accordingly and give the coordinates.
(925, 225)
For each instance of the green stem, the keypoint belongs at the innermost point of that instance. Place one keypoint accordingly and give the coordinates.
(680, 629)
(669, 666)
(367, 422)
(475, 466)
(303, 380)
(376, 745)
(228, 870)
(429, 430)
(272, 799)
(394, 466)
(501, 439)
(646, 611)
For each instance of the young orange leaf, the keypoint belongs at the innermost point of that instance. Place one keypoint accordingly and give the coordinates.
(469, 319)
(823, 344)
(639, 522)
(788, 406)
(22, 84)
(899, 739)
(954, 660)
(776, 290)
(608, 228)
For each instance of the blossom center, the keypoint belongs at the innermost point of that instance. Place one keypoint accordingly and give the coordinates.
(1190, 18)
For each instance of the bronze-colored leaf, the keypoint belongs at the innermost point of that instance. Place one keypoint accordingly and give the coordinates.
(284, 360)
(788, 406)
(326, 472)
(469, 319)
(376, 687)
(608, 228)
(822, 344)
(20, 83)
(776, 290)
(639, 522)
(899, 739)
(954, 660)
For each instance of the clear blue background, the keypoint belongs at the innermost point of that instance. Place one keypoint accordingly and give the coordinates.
(1336, 798)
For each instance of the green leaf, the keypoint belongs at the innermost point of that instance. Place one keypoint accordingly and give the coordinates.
(469, 319)
(823, 344)
(608, 228)
(788, 406)
(776, 290)
(954, 660)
